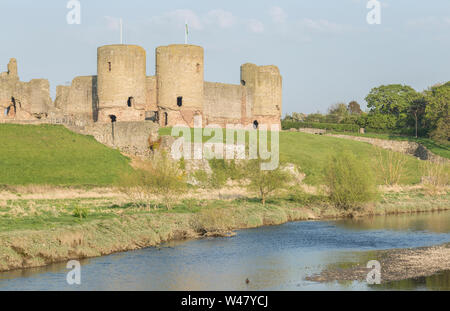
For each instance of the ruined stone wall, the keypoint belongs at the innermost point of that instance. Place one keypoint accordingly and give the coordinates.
(180, 78)
(226, 104)
(152, 97)
(122, 81)
(265, 85)
(23, 100)
(129, 137)
(407, 147)
(78, 99)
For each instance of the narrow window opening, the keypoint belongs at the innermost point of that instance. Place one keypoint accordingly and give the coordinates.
(198, 67)
(243, 82)
(113, 118)
(166, 118)
(130, 102)
(109, 66)
(13, 101)
(180, 101)
(255, 125)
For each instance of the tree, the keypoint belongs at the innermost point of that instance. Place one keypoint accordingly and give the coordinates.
(354, 107)
(338, 112)
(265, 182)
(393, 99)
(417, 110)
(437, 111)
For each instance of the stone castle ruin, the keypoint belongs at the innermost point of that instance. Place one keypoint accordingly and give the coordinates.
(121, 92)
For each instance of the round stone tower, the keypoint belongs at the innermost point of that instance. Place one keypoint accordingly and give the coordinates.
(121, 83)
(180, 83)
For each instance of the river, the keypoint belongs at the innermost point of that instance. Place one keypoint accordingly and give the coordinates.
(272, 258)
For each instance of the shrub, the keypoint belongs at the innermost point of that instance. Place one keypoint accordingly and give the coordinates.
(80, 212)
(223, 170)
(159, 178)
(349, 180)
(265, 182)
(210, 220)
(435, 175)
(202, 178)
(390, 165)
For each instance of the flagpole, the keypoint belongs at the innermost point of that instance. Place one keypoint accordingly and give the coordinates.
(121, 31)
(186, 33)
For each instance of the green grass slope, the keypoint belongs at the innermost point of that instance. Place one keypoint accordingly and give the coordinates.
(53, 155)
(311, 153)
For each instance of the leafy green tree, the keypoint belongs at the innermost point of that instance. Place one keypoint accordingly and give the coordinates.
(437, 111)
(394, 100)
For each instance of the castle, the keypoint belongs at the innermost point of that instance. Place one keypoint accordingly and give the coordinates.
(122, 92)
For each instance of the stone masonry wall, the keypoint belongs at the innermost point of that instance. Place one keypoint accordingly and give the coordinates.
(406, 147)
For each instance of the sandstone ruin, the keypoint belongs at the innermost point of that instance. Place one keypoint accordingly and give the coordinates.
(122, 92)
(123, 107)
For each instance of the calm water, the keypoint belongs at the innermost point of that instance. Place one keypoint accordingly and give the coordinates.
(273, 258)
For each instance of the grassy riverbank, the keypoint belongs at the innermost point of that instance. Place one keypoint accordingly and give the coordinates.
(37, 232)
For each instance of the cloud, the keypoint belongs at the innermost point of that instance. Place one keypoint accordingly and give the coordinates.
(255, 26)
(278, 15)
(223, 19)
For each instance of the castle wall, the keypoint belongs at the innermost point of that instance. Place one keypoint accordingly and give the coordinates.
(180, 78)
(122, 82)
(226, 104)
(152, 97)
(23, 100)
(80, 98)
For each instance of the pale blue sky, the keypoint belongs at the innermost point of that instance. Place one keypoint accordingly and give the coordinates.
(325, 49)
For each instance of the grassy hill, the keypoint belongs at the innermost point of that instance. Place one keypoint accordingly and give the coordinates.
(53, 155)
(311, 152)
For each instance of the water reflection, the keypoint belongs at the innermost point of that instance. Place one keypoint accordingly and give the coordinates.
(402, 222)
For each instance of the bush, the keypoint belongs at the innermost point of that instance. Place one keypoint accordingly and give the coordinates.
(210, 221)
(223, 170)
(80, 212)
(390, 166)
(159, 178)
(435, 175)
(265, 182)
(349, 180)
